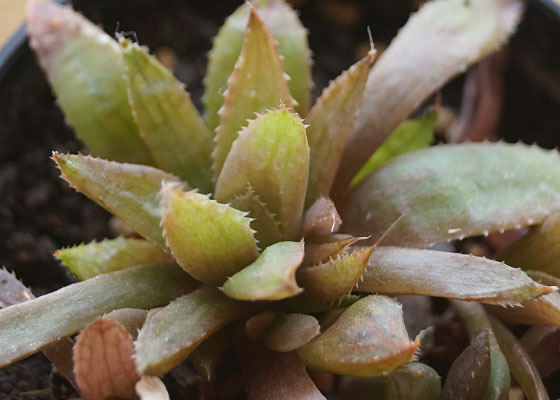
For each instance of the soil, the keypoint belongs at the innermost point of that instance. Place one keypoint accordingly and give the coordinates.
(40, 213)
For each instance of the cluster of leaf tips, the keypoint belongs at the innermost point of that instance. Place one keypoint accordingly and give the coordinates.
(238, 241)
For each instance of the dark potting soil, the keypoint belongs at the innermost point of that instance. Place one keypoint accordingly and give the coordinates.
(40, 213)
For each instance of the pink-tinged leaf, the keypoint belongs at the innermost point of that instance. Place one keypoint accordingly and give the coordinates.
(289, 332)
(271, 277)
(128, 191)
(257, 325)
(103, 361)
(454, 34)
(539, 249)
(544, 310)
(85, 68)
(271, 154)
(321, 249)
(368, 339)
(455, 191)
(332, 280)
(271, 375)
(321, 218)
(330, 123)
(306, 305)
(542, 342)
(33, 325)
(209, 240)
(131, 319)
(256, 84)
(89, 260)
(469, 375)
(151, 388)
(168, 121)
(171, 334)
(291, 37)
(208, 355)
(522, 367)
(12, 291)
(398, 270)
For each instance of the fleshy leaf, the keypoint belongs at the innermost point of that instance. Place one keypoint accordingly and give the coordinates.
(330, 123)
(469, 375)
(539, 249)
(474, 317)
(126, 190)
(455, 34)
(271, 154)
(306, 305)
(85, 68)
(267, 228)
(455, 191)
(131, 319)
(320, 249)
(30, 326)
(256, 84)
(542, 342)
(209, 240)
(543, 310)
(522, 367)
(397, 270)
(368, 339)
(410, 135)
(275, 375)
(171, 334)
(290, 332)
(208, 354)
(331, 280)
(321, 218)
(103, 361)
(12, 291)
(291, 36)
(89, 260)
(168, 121)
(151, 388)
(270, 277)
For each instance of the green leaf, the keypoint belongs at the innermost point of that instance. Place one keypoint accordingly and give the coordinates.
(368, 339)
(256, 84)
(89, 260)
(209, 240)
(270, 277)
(330, 123)
(437, 43)
(271, 154)
(396, 270)
(523, 369)
(86, 70)
(30, 326)
(319, 250)
(168, 121)
(171, 334)
(410, 135)
(289, 332)
(412, 381)
(291, 36)
(474, 317)
(455, 191)
(332, 280)
(128, 191)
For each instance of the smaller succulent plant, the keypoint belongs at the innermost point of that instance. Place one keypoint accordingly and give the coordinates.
(238, 239)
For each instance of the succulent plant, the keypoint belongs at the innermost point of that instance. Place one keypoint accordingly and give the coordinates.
(239, 239)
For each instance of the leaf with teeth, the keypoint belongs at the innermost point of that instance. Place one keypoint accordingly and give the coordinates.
(539, 249)
(289, 332)
(12, 291)
(168, 121)
(128, 191)
(86, 70)
(271, 154)
(30, 326)
(171, 334)
(209, 240)
(475, 318)
(437, 43)
(410, 135)
(331, 280)
(270, 277)
(256, 84)
(103, 361)
(544, 310)
(397, 270)
(320, 249)
(330, 123)
(291, 36)
(523, 369)
(455, 191)
(267, 228)
(89, 260)
(321, 218)
(368, 339)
